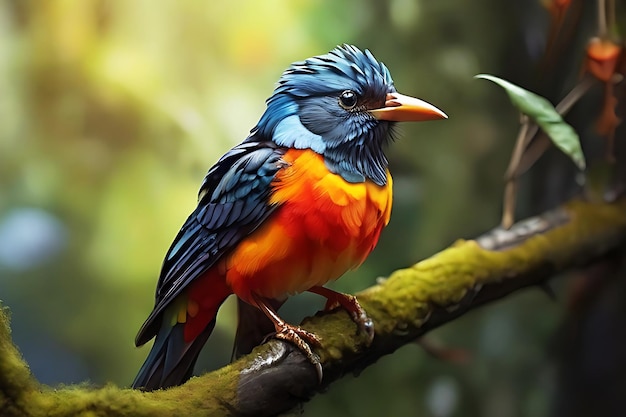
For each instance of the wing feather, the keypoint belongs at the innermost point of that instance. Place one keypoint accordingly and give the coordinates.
(233, 202)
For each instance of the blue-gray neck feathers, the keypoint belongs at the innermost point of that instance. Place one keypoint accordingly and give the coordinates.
(305, 112)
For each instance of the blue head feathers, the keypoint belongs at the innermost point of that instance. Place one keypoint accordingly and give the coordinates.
(322, 104)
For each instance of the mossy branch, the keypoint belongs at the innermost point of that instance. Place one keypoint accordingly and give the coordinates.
(274, 378)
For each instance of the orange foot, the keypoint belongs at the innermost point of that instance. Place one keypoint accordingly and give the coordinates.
(303, 341)
(351, 305)
(294, 334)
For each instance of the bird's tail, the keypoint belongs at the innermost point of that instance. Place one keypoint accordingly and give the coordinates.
(171, 360)
(181, 331)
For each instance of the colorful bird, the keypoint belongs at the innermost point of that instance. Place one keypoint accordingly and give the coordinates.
(299, 202)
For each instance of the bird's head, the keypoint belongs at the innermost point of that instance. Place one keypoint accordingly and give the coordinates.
(342, 105)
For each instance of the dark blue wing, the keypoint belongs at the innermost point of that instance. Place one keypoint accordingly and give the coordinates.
(233, 202)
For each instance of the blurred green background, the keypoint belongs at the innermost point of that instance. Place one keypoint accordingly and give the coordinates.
(112, 111)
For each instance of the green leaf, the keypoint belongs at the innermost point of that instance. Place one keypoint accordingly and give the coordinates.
(542, 112)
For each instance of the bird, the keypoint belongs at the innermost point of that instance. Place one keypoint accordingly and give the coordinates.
(299, 202)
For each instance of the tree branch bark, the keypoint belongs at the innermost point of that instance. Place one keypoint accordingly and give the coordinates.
(275, 378)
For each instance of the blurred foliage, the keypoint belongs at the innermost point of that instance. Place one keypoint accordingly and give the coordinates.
(112, 111)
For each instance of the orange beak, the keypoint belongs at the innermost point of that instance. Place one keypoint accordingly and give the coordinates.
(401, 108)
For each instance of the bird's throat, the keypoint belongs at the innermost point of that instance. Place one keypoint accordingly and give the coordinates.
(358, 163)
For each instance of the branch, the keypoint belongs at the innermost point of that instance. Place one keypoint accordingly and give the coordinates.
(275, 378)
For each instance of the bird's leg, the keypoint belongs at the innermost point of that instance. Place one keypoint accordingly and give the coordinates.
(351, 305)
(294, 334)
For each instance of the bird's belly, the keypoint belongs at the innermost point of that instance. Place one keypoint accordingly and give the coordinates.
(323, 227)
(294, 253)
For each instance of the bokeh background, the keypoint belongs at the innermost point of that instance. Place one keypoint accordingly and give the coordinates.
(111, 112)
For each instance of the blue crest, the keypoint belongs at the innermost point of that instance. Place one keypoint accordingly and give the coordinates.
(304, 112)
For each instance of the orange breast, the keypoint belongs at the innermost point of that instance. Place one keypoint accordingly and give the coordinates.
(323, 227)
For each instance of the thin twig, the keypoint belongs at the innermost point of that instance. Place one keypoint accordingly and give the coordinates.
(611, 15)
(508, 209)
(575, 94)
(602, 22)
(520, 145)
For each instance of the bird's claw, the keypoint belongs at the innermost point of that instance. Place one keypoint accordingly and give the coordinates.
(358, 315)
(303, 341)
(367, 326)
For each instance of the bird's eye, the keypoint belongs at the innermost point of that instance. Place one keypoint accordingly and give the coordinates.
(348, 99)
